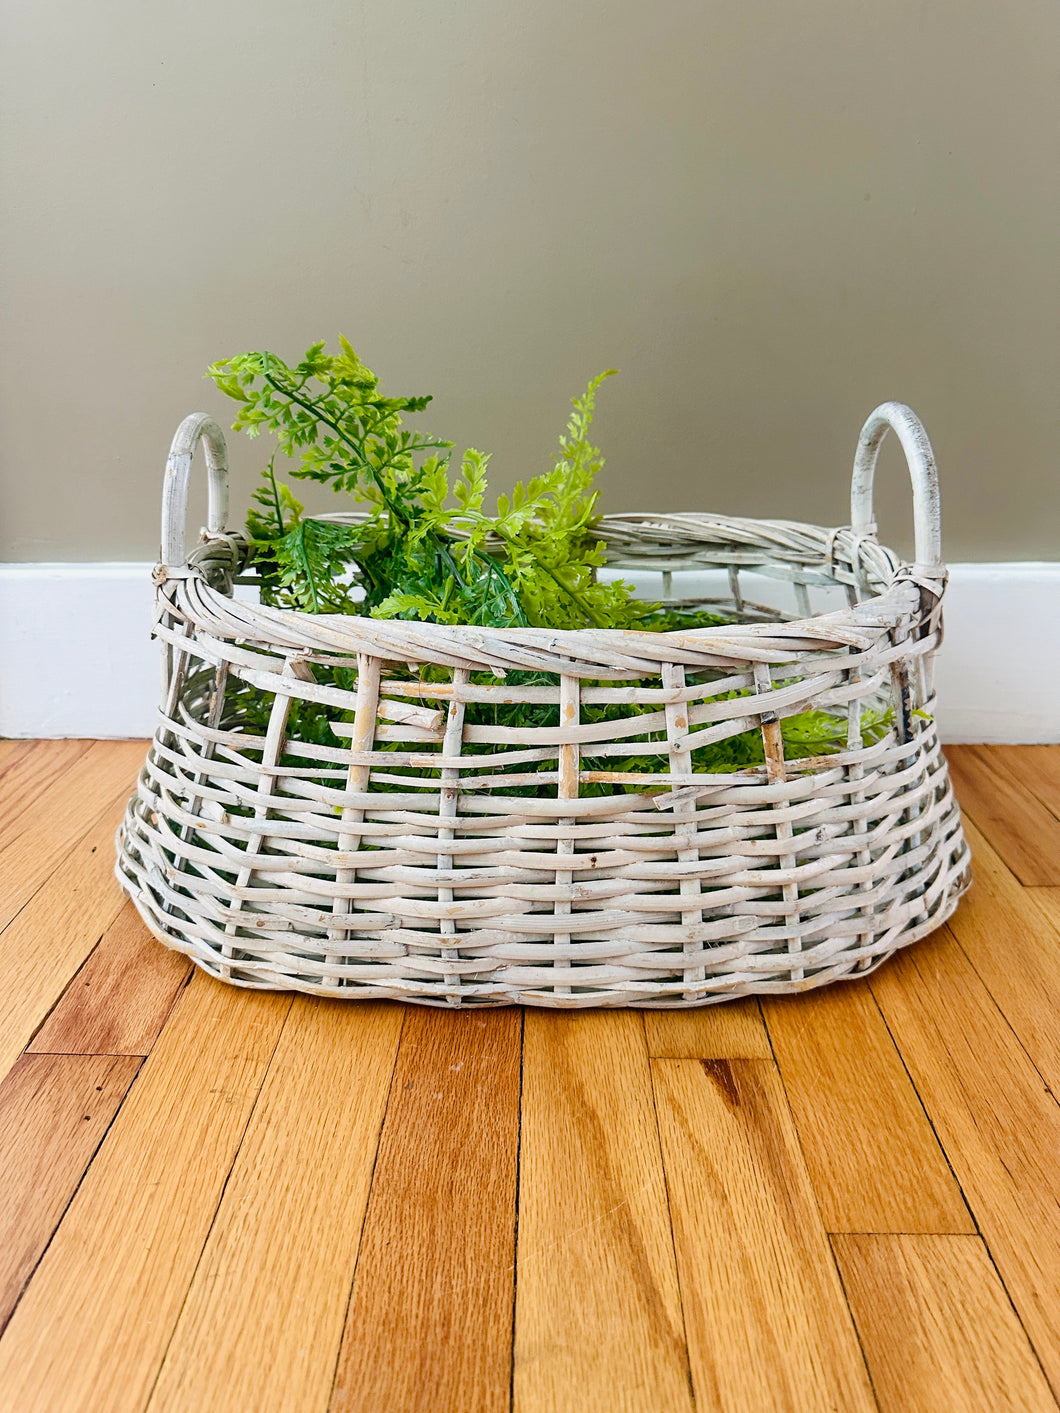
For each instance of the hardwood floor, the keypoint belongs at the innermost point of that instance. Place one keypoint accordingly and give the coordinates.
(236, 1202)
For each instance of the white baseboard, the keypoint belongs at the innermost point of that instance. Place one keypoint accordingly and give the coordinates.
(998, 670)
(76, 658)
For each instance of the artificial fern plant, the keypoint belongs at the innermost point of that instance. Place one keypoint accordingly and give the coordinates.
(427, 548)
(424, 546)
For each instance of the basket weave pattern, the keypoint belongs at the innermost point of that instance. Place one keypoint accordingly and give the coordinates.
(414, 862)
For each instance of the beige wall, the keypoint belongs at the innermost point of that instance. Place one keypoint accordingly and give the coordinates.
(769, 215)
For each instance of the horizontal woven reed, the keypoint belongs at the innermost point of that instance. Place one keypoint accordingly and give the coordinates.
(407, 864)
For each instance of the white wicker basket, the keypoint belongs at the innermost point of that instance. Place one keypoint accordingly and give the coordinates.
(415, 863)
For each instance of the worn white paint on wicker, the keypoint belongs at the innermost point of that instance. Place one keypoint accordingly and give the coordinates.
(406, 864)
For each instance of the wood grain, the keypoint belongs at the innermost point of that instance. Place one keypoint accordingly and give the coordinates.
(598, 1314)
(119, 1000)
(64, 813)
(26, 772)
(1011, 936)
(12, 749)
(1037, 768)
(90, 1331)
(875, 1163)
(1047, 901)
(430, 1324)
(999, 1124)
(262, 1325)
(53, 934)
(54, 1109)
(733, 1031)
(939, 1333)
(1023, 831)
(767, 1322)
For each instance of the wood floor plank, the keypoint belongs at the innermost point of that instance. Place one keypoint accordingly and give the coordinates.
(997, 1121)
(598, 1315)
(92, 1327)
(1023, 831)
(1037, 768)
(732, 1031)
(1047, 900)
(25, 774)
(63, 814)
(11, 748)
(875, 1163)
(1012, 937)
(767, 1321)
(938, 1331)
(119, 1000)
(262, 1324)
(53, 934)
(54, 1109)
(430, 1323)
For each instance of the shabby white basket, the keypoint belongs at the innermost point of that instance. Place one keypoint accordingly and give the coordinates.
(408, 864)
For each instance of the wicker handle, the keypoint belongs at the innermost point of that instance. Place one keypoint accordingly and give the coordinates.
(200, 426)
(927, 512)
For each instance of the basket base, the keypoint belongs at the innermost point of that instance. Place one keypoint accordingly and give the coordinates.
(740, 968)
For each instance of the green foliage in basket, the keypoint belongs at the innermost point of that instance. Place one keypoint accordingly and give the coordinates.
(427, 548)
(424, 546)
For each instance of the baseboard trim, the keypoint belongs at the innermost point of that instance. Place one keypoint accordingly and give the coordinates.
(76, 658)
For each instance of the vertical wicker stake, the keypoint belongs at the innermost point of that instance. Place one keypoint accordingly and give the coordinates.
(906, 732)
(935, 628)
(267, 784)
(447, 810)
(776, 774)
(174, 666)
(734, 588)
(673, 679)
(863, 588)
(923, 670)
(569, 788)
(855, 774)
(357, 777)
(903, 702)
(213, 719)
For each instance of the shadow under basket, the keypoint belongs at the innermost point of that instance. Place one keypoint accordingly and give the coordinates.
(440, 849)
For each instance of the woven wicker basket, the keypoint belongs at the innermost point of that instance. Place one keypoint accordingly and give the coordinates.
(416, 863)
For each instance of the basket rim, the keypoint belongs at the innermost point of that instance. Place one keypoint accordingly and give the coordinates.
(909, 599)
(895, 602)
(614, 653)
